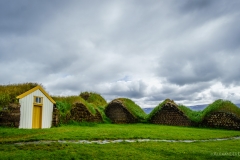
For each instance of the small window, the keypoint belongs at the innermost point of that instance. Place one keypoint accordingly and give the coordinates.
(38, 99)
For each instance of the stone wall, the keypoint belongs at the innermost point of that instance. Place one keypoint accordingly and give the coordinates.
(117, 113)
(169, 114)
(80, 113)
(55, 116)
(10, 116)
(222, 120)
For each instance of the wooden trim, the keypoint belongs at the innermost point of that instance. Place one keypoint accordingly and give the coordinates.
(37, 104)
(34, 89)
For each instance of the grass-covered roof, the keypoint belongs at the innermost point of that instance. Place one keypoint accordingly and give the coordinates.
(195, 116)
(65, 102)
(8, 93)
(159, 107)
(133, 108)
(97, 101)
(221, 106)
(93, 102)
(95, 98)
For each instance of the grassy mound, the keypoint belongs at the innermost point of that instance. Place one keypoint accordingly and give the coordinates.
(133, 108)
(221, 106)
(8, 93)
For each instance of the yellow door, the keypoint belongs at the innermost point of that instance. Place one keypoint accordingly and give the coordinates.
(37, 117)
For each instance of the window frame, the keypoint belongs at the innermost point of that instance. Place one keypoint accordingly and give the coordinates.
(35, 98)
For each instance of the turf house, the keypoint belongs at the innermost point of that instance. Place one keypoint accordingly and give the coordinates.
(222, 114)
(87, 107)
(168, 113)
(80, 113)
(123, 110)
(28, 106)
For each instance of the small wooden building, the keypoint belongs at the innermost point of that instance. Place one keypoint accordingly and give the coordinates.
(36, 108)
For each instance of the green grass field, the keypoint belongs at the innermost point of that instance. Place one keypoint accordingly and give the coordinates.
(145, 151)
(227, 149)
(91, 131)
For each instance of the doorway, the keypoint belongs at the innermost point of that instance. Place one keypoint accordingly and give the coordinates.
(37, 117)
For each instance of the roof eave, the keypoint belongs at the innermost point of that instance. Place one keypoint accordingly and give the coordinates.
(34, 89)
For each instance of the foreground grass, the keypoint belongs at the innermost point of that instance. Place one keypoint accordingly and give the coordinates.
(146, 150)
(113, 131)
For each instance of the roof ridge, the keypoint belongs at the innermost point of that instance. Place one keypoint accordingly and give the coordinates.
(34, 89)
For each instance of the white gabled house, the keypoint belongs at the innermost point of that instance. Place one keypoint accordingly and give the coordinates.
(36, 109)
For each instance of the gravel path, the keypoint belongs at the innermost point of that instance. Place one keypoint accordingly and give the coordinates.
(123, 140)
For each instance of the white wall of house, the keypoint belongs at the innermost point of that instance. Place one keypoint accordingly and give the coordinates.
(26, 110)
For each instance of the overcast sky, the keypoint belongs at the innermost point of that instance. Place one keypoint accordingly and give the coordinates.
(145, 50)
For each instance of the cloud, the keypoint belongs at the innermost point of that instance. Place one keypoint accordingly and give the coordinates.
(147, 51)
(131, 89)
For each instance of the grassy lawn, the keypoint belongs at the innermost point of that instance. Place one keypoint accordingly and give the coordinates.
(145, 150)
(113, 131)
(228, 149)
